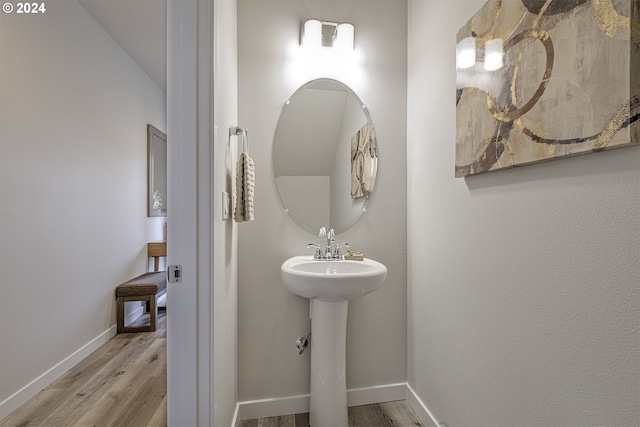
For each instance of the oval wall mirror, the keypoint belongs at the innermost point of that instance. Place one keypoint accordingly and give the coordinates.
(325, 156)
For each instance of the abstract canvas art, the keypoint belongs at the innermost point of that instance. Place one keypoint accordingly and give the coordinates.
(540, 80)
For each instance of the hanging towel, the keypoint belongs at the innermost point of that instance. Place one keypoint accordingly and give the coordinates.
(245, 183)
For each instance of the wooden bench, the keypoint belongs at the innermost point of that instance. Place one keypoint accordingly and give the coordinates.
(144, 288)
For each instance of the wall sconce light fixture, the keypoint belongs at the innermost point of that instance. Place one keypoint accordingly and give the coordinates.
(317, 33)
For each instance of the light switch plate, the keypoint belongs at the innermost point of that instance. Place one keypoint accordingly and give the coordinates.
(226, 205)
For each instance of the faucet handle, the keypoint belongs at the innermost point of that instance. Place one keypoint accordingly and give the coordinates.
(337, 253)
(318, 254)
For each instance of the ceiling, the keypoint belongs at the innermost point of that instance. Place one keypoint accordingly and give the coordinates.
(140, 28)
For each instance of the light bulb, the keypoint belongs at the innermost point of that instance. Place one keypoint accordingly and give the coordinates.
(312, 35)
(466, 53)
(493, 54)
(344, 38)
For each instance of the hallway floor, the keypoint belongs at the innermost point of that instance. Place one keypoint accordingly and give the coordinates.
(123, 383)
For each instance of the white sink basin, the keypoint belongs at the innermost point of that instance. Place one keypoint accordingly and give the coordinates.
(330, 281)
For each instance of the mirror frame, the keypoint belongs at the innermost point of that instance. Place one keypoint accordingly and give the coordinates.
(153, 133)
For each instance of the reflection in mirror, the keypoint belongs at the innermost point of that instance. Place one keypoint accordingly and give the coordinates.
(156, 172)
(325, 156)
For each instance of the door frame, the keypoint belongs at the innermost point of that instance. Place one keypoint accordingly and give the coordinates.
(189, 230)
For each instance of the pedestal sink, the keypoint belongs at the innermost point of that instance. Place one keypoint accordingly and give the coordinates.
(330, 285)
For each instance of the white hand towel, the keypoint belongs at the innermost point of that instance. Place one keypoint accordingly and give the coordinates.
(249, 187)
(245, 183)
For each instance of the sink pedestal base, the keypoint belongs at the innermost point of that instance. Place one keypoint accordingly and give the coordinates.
(328, 406)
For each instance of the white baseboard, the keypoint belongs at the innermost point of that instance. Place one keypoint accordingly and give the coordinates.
(20, 397)
(234, 420)
(162, 300)
(376, 394)
(135, 314)
(299, 404)
(252, 409)
(421, 410)
(262, 408)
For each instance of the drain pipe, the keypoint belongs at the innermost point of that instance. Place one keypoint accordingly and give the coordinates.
(302, 343)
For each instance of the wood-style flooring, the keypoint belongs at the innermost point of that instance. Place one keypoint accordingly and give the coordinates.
(388, 414)
(123, 383)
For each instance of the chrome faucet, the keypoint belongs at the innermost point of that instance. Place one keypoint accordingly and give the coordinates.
(318, 254)
(337, 253)
(327, 253)
(331, 237)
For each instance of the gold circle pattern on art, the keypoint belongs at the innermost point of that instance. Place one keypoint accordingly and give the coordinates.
(514, 112)
(613, 24)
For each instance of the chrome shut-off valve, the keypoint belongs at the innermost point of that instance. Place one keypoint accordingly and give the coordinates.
(302, 343)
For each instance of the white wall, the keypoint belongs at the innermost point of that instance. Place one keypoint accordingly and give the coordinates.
(522, 284)
(270, 319)
(73, 114)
